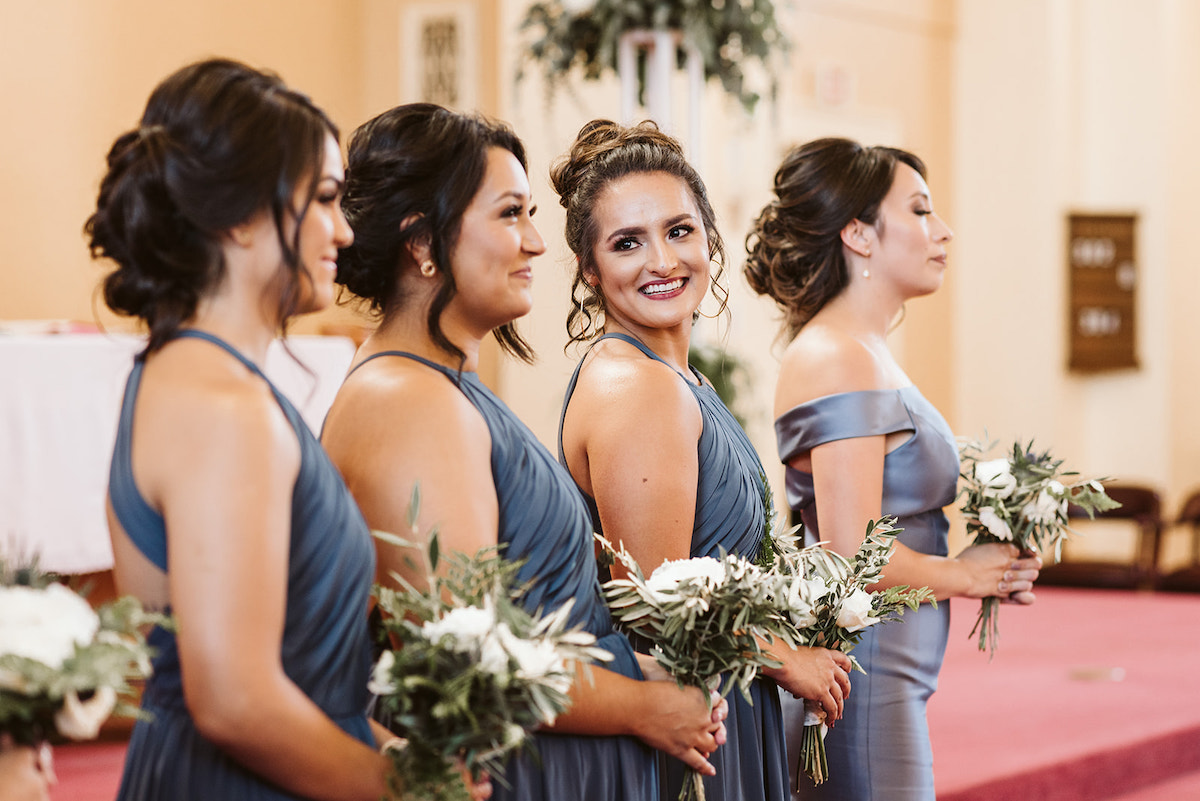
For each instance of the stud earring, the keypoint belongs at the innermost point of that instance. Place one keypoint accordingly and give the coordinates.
(866, 273)
(428, 268)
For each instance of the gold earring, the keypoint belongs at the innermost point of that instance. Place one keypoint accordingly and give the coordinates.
(428, 268)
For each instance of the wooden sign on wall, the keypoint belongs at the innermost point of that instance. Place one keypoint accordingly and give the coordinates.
(1102, 264)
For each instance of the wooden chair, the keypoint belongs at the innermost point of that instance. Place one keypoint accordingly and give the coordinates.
(1142, 507)
(1187, 579)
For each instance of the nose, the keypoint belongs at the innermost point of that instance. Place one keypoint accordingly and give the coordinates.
(663, 259)
(943, 232)
(343, 234)
(532, 240)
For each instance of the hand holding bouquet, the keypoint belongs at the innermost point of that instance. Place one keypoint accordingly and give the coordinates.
(471, 673)
(1021, 498)
(825, 597)
(705, 618)
(62, 664)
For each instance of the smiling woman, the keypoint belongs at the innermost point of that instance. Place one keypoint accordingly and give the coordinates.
(663, 465)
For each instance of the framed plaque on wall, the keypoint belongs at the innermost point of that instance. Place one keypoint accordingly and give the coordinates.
(1103, 276)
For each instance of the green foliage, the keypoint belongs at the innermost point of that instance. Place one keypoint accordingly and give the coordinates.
(727, 33)
(471, 673)
(1020, 498)
(32, 692)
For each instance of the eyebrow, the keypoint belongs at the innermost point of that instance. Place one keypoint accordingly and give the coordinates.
(513, 193)
(637, 229)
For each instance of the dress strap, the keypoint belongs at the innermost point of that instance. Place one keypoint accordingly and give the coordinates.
(646, 350)
(441, 368)
(192, 333)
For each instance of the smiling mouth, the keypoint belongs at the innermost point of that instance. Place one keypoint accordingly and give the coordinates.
(663, 288)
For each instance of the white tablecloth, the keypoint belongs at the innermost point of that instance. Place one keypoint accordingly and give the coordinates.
(60, 395)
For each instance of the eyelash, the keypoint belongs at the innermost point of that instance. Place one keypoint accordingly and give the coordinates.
(685, 229)
(922, 212)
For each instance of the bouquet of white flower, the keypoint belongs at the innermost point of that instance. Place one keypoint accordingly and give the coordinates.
(471, 673)
(1022, 499)
(62, 664)
(826, 598)
(705, 618)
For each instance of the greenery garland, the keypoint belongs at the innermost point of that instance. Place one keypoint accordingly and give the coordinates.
(567, 34)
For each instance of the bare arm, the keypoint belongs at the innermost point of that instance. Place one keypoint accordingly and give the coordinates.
(227, 510)
(442, 441)
(638, 427)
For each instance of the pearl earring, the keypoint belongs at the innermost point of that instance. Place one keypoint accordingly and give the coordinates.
(866, 273)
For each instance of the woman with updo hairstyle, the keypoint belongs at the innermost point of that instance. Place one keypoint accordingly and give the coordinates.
(851, 235)
(443, 254)
(221, 211)
(662, 463)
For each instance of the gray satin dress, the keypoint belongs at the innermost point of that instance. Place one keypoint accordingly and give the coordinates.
(730, 515)
(880, 750)
(544, 523)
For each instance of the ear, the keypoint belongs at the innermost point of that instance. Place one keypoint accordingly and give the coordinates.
(590, 276)
(418, 248)
(242, 235)
(857, 236)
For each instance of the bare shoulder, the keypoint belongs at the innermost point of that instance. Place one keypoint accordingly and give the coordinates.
(396, 399)
(825, 360)
(619, 381)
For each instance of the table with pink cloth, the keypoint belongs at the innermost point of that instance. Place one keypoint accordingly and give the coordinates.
(59, 399)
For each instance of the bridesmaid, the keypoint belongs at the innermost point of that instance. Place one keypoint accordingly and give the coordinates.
(221, 211)
(445, 243)
(662, 462)
(850, 236)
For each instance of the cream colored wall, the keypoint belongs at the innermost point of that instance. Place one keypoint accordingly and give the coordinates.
(1066, 105)
(74, 74)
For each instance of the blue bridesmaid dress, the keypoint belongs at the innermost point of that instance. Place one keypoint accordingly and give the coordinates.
(730, 514)
(325, 648)
(544, 522)
(879, 750)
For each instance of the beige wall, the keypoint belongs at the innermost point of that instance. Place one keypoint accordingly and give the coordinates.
(1024, 110)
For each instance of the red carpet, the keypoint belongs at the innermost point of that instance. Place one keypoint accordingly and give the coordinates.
(1092, 695)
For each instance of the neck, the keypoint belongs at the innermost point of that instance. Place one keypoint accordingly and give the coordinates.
(669, 344)
(244, 329)
(407, 330)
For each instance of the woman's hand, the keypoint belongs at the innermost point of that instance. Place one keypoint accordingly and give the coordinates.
(818, 674)
(997, 568)
(678, 722)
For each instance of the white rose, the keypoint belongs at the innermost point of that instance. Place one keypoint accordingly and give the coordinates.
(45, 624)
(466, 626)
(802, 595)
(493, 657)
(80, 720)
(855, 613)
(993, 523)
(668, 575)
(1046, 507)
(535, 658)
(996, 478)
(381, 677)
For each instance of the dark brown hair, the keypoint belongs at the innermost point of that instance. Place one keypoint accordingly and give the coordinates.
(795, 247)
(603, 152)
(218, 143)
(424, 163)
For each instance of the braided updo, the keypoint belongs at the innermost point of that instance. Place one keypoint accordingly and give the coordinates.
(218, 143)
(794, 248)
(603, 152)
